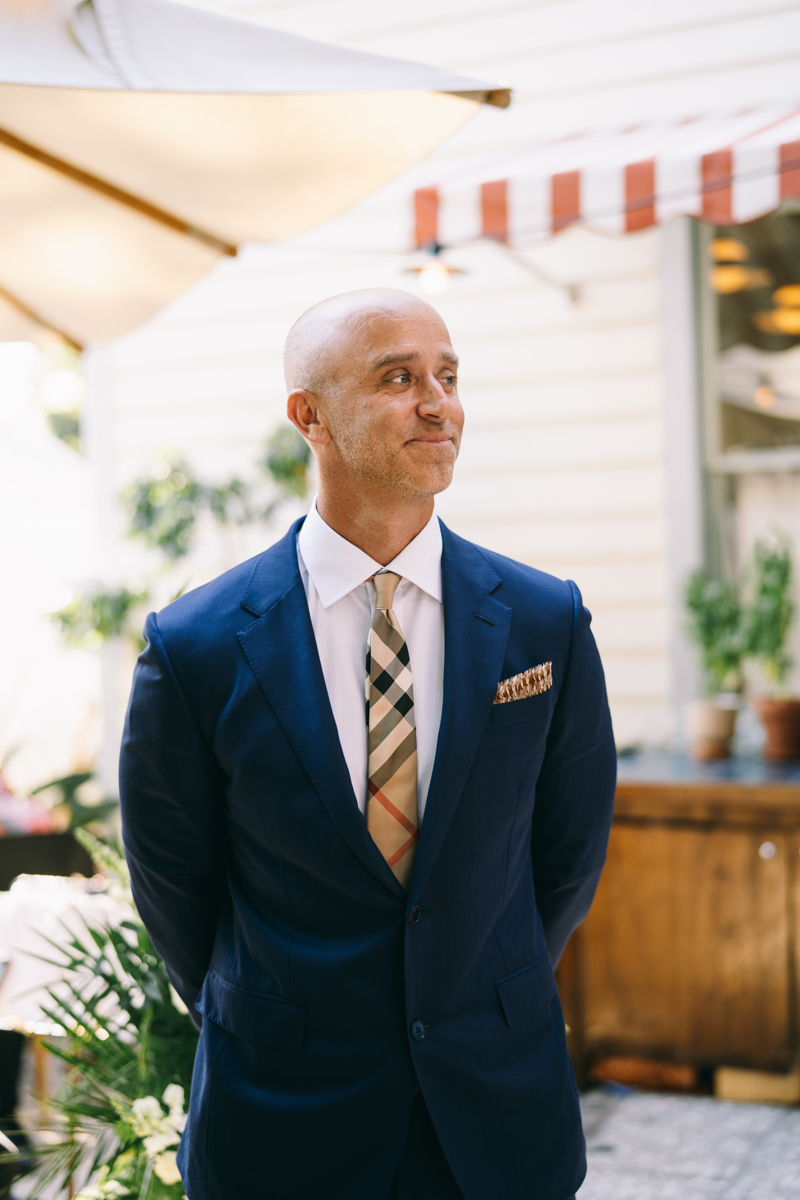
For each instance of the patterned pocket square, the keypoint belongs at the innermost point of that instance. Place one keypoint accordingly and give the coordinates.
(532, 682)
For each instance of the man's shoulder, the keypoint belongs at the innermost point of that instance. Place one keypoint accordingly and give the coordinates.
(210, 603)
(517, 582)
(219, 608)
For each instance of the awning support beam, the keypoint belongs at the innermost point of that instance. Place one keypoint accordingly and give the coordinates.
(37, 318)
(111, 192)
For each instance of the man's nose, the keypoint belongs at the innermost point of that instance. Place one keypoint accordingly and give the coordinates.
(434, 397)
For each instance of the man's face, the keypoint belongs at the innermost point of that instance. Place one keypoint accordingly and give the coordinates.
(394, 415)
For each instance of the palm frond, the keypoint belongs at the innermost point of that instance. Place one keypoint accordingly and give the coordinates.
(124, 1041)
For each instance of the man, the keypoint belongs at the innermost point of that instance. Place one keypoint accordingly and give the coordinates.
(366, 785)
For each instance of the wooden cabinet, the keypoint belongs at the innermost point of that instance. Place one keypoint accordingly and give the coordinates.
(689, 951)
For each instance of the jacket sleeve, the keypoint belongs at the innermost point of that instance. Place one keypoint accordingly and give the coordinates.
(171, 797)
(575, 791)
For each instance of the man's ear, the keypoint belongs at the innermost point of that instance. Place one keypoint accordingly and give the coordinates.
(303, 410)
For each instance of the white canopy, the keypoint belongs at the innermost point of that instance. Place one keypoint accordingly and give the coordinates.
(140, 140)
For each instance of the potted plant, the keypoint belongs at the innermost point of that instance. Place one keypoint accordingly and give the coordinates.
(714, 624)
(767, 620)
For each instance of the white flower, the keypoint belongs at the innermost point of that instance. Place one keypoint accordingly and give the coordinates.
(146, 1115)
(103, 1191)
(173, 1098)
(166, 1168)
(157, 1128)
(157, 1142)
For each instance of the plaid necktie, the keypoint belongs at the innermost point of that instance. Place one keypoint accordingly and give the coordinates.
(392, 814)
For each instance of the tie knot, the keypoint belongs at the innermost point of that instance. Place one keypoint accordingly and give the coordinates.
(385, 586)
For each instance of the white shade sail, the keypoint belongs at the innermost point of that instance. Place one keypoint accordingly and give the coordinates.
(140, 140)
(725, 169)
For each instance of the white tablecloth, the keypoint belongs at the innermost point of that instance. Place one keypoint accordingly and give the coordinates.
(40, 905)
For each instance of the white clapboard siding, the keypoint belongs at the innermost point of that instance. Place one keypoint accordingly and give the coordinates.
(48, 691)
(495, 30)
(574, 65)
(563, 457)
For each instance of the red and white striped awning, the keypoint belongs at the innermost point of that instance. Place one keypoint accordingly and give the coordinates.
(723, 169)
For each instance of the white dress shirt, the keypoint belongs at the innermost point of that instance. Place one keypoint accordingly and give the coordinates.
(341, 604)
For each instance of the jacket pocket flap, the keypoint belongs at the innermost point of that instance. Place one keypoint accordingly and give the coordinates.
(254, 1016)
(527, 990)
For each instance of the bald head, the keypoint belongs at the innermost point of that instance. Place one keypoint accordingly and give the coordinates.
(326, 342)
(372, 387)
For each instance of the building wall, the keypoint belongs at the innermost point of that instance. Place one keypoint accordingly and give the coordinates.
(563, 459)
(48, 692)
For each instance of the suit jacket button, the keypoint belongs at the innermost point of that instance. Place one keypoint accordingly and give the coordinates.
(414, 915)
(417, 1030)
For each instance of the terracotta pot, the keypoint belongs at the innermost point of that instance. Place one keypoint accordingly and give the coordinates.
(710, 728)
(781, 721)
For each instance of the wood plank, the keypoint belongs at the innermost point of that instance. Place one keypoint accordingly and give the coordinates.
(591, 443)
(685, 949)
(604, 346)
(547, 25)
(582, 535)
(712, 802)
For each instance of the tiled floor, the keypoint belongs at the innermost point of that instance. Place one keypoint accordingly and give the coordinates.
(648, 1147)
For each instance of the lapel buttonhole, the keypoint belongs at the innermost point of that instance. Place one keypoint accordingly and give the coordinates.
(485, 620)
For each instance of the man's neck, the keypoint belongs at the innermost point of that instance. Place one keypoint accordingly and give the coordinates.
(381, 531)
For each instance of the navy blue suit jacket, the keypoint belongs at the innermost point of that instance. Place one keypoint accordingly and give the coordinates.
(282, 925)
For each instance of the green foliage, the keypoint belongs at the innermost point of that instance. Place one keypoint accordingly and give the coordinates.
(229, 503)
(715, 626)
(164, 508)
(287, 459)
(66, 426)
(127, 1044)
(99, 616)
(165, 505)
(80, 814)
(768, 618)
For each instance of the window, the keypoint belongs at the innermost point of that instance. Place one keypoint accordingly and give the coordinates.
(750, 277)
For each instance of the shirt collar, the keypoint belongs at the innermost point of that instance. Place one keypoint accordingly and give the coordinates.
(336, 566)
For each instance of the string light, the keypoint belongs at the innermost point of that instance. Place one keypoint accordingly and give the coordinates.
(728, 250)
(764, 396)
(434, 277)
(433, 273)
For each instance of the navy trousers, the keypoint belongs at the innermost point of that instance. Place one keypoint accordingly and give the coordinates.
(423, 1172)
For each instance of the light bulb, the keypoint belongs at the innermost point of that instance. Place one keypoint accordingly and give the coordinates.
(434, 278)
(764, 396)
(726, 249)
(787, 320)
(788, 296)
(732, 278)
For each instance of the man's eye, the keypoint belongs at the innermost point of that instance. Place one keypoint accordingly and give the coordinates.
(450, 380)
(403, 377)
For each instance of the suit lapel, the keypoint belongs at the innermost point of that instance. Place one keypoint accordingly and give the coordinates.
(476, 629)
(282, 651)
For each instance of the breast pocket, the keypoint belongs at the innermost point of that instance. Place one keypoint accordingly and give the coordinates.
(520, 712)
